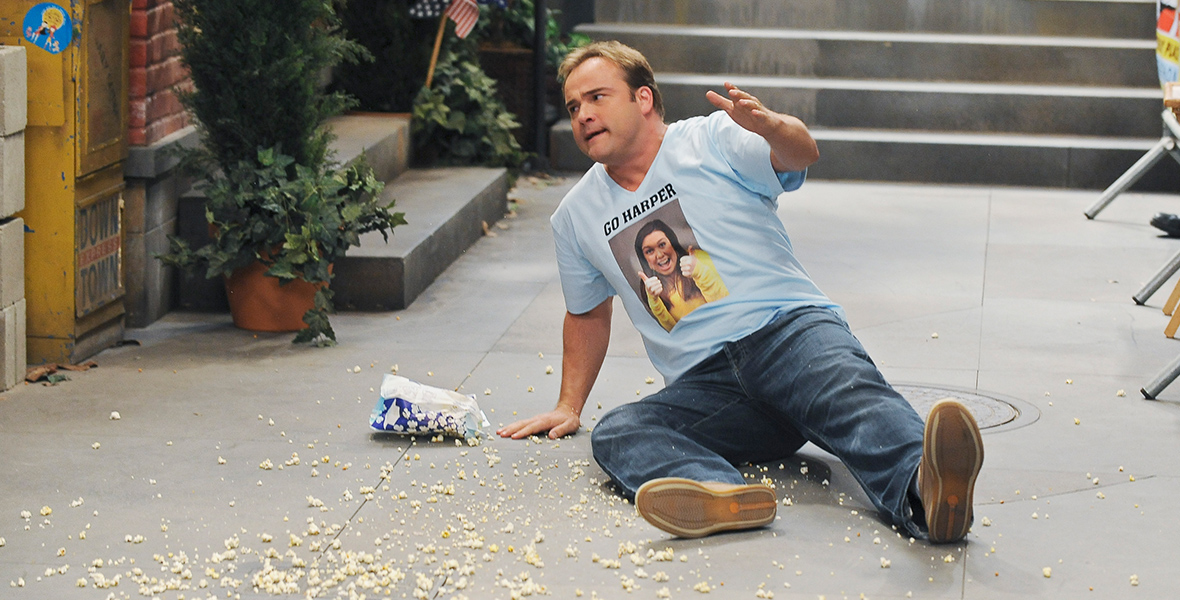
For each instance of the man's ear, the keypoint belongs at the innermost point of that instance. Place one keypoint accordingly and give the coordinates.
(645, 98)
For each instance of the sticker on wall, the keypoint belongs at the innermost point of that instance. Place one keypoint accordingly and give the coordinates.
(48, 27)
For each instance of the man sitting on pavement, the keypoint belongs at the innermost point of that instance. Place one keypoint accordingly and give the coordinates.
(752, 374)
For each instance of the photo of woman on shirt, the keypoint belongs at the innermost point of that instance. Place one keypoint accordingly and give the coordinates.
(676, 280)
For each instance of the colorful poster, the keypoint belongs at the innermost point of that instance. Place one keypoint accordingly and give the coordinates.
(1167, 50)
(48, 26)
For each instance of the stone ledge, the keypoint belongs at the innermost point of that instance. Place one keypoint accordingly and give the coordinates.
(152, 161)
(384, 138)
(445, 209)
(1022, 160)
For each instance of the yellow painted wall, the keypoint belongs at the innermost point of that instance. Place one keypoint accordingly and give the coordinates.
(64, 168)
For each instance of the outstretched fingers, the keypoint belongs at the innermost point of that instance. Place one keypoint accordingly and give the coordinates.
(719, 101)
(743, 107)
(736, 93)
(557, 423)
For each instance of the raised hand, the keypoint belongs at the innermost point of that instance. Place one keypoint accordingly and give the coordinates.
(688, 263)
(744, 109)
(653, 284)
(791, 146)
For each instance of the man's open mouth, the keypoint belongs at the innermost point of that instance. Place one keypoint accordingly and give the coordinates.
(592, 135)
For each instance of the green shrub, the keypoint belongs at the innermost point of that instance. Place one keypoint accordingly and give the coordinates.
(256, 70)
(460, 120)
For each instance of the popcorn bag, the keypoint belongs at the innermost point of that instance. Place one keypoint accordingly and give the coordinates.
(411, 408)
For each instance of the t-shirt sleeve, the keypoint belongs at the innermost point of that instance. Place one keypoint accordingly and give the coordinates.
(792, 180)
(748, 155)
(582, 284)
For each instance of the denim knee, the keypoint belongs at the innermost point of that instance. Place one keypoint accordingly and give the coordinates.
(612, 426)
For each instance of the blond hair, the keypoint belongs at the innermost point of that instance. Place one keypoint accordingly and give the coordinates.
(636, 70)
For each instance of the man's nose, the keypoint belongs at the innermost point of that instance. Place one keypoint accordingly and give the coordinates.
(585, 115)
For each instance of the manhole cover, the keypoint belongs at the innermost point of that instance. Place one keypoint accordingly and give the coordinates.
(989, 412)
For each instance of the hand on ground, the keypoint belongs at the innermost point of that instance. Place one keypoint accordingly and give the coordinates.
(558, 422)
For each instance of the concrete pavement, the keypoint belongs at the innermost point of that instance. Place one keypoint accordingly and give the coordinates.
(242, 463)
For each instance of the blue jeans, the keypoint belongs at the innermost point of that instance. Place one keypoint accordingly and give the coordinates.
(802, 378)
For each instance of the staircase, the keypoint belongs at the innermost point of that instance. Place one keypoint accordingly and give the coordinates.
(1055, 93)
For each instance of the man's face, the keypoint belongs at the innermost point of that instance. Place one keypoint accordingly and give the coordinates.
(605, 115)
(660, 254)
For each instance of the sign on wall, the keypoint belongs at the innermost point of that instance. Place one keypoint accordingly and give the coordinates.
(99, 277)
(48, 26)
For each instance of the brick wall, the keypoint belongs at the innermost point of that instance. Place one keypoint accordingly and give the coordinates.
(156, 73)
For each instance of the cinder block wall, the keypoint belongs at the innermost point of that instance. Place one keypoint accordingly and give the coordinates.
(158, 123)
(13, 106)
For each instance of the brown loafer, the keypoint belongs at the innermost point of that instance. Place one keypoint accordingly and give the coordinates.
(952, 454)
(692, 509)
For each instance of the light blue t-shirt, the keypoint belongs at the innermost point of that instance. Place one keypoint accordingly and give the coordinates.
(711, 194)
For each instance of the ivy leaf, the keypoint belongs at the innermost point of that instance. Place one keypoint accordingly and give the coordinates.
(457, 121)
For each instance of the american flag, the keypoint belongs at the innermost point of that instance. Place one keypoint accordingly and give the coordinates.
(427, 9)
(464, 13)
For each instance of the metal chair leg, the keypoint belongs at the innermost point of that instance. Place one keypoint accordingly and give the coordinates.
(1164, 273)
(1166, 145)
(1161, 381)
(1141, 166)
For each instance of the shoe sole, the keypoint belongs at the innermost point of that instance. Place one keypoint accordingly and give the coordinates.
(688, 509)
(954, 451)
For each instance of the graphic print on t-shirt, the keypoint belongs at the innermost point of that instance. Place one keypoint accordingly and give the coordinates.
(669, 272)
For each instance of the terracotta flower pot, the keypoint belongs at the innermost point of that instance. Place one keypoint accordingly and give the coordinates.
(259, 303)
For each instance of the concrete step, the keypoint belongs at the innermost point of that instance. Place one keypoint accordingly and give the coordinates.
(1133, 19)
(889, 54)
(1081, 162)
(383, 138)
(445, 209)
(932, 106)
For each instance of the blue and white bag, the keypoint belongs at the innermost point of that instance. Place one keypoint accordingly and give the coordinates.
(411, 408)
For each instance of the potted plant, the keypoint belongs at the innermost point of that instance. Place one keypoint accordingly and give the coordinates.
(280, 211)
